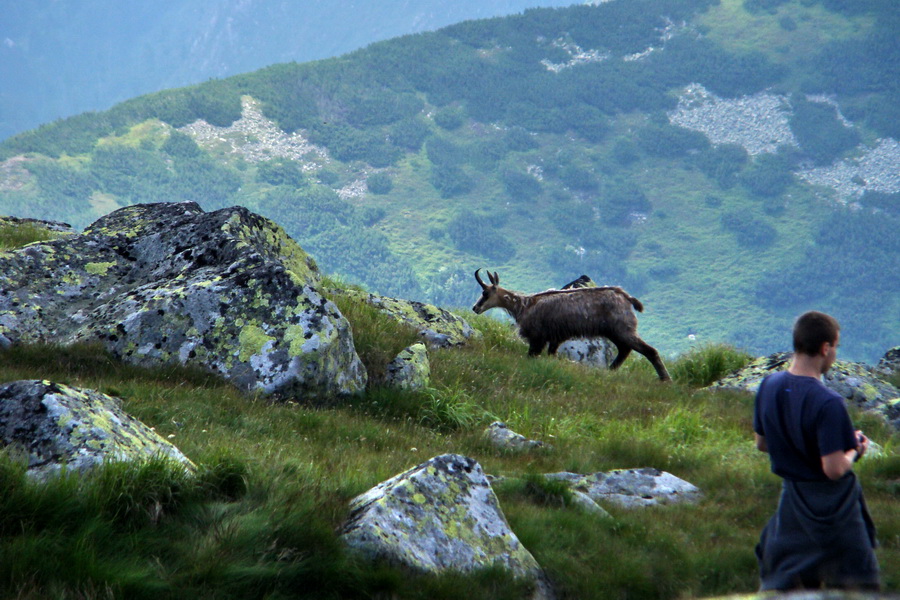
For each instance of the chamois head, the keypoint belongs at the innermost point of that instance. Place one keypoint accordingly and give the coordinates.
(490, 296)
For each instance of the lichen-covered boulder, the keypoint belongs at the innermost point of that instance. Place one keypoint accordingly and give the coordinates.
(858, 383)
(410, 370)
(890, 362)
(500, 435)
(596, 352)
(228, 291)
(632, 488)
(440, 516)
(53, 427)
(439, 328)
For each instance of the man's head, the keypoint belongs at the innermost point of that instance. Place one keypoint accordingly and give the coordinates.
(813, 330)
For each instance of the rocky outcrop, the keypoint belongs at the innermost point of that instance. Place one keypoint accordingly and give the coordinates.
(501, 436)
(439, 516)
(410, 370)
(632, 488)
(890, 362)
(228, 291)
(54, 427)
(439, 328)
(858, 383)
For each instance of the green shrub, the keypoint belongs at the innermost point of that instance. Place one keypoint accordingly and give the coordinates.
(768, 175)
(410, 133)
(519, 185)
(181, 145)
(281, 171)
(706, 364)
(749, 231)
(379, 183)
(477, 235)
(669, 141)
(451, 180)
(820, 133)
(450, 117)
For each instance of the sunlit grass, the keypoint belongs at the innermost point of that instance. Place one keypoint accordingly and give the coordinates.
(15, 236)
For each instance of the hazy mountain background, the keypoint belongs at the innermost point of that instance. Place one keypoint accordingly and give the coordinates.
(732, 163)
(62, 57)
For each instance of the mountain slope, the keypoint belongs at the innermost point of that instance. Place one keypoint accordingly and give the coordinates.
(676, 148)
(61, 58)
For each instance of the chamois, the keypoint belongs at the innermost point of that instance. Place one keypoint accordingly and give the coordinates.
(552, 317)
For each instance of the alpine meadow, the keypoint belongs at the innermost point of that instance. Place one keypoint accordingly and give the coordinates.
(729, 163)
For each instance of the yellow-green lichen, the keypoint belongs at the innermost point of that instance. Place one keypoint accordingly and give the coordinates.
(295, 336)
(98, 268)
(71, 278)
(252, 340)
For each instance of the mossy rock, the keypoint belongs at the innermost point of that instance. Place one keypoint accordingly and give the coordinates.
(54, 427)
(439, 516)
(228, 291)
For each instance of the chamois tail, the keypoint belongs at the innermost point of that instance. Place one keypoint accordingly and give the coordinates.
(636, 303)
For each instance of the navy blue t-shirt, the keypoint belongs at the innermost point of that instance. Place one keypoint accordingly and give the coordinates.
(802, 421)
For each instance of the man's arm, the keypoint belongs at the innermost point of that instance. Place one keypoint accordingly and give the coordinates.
(761, 444)
(838, 463)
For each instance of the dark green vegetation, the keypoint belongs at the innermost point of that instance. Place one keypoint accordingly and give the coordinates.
(479, 155)
(274, 480)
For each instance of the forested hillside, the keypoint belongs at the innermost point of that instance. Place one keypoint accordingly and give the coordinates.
(64, 57)
(730, 163)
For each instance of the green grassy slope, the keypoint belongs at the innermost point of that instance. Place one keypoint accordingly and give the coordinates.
(487, 158)
(275, 480)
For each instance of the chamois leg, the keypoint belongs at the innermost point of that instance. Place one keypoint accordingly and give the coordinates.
(653, 356)
(535, 347)
(552, 347)
(623, 351)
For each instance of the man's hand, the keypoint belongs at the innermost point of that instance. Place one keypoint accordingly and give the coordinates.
(863, 445)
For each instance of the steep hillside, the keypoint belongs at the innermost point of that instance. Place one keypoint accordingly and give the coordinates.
(61, 58)
(730, 163)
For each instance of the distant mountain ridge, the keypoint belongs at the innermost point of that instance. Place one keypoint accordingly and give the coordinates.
(729, 163)
(65, 57)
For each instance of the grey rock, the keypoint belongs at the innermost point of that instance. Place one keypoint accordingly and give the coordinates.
(440, 516)
(410, 370)
(54, 427)
(501, 436)
(890, 362)
(596, 352)
(227, 291)
(584, 502)
(632, 488)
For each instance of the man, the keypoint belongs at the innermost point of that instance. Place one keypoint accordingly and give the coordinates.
(821, 534)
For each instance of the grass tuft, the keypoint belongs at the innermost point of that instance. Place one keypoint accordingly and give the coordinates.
(706, 364)
(16, 236)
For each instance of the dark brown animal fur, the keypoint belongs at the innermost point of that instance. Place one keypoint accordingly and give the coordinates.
(552, 317)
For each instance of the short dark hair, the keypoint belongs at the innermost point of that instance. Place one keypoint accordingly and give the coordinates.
(812, 329)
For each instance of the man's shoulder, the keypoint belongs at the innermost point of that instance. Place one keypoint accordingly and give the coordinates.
(773, 380)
